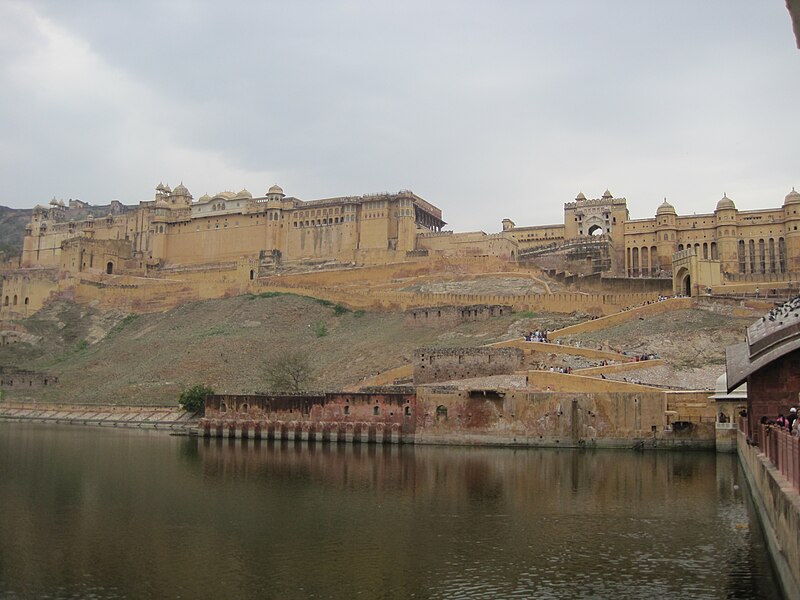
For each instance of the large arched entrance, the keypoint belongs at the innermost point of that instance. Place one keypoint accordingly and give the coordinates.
(683, 282)
(596, 230)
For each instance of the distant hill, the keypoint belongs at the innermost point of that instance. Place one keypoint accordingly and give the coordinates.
(13, 221)
(12, 230)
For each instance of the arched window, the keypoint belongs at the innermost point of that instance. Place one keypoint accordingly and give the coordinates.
(742, 258)
(441, 413)
(252, 274)
(223, 407)
(376, 410)
(110, 268)
(27, 301)
(751, 246)
(5, 302)
(15, 299)
(772, 266)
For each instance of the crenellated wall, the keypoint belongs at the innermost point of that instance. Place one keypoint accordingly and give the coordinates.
(446, 364)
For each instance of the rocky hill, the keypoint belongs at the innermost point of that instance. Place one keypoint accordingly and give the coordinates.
(12, 229)
(231, 343)
(228, 344)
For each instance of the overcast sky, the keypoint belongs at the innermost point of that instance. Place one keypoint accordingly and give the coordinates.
(486, 109)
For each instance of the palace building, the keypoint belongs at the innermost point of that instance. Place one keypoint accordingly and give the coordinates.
(174, 231)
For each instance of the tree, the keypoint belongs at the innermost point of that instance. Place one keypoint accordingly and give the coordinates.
(289, 372)
(194, 398)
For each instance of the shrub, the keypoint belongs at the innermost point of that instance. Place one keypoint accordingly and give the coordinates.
(194, 398)
(340, 310)
(320, 329)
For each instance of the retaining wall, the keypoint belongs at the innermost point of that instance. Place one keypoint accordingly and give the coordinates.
(777, 504)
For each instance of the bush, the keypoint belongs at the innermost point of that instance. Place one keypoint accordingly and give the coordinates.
(340, 310)
(320, 329)
(194, 399)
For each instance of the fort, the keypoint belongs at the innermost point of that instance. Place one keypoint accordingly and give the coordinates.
(215, 246)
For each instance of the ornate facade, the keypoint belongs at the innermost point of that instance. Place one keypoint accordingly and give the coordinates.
(755, 244)
(174, 233)
(174, 230)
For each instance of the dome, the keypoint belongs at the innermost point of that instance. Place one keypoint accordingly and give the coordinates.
(180, 190)
(666, 209)
(166, 189)
(792, 198)
(607, 195)
(725, 203)
(204, 198)
(275, 189)
(160, 187)
(580, 196)
(244, 194)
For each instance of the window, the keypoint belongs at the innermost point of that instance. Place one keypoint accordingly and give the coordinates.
(376, 410)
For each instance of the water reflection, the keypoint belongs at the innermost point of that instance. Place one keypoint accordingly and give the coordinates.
(92, 512)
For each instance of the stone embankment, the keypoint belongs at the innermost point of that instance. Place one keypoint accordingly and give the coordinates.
(777, 504)
(154, 417)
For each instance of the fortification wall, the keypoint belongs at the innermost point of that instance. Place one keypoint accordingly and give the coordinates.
(339, 416)
(626, 315)
(777, 504)
(446, 364)
(25, 291)
(622, 285)
(569, 419)
(531, 348)
(452, 315)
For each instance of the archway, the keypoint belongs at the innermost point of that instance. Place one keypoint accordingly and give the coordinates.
(682, 282)
(596, 230)
(110, 268)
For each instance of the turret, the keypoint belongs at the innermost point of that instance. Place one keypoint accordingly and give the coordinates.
(791, 215)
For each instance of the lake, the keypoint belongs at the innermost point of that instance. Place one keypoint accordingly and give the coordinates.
(109, 513)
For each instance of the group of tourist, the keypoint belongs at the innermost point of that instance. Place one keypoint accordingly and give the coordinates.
(788, 422)
(566, 370)
(536, 336)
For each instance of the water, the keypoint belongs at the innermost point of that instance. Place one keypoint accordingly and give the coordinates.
(99, 513)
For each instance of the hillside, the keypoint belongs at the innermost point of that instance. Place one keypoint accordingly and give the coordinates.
(227, 343)
(12, 229)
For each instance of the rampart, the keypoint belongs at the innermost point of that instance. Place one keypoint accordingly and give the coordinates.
(14, 379)
(446, 364)
(636, 312)
(777, 505)
(623, 418)
(379, 416)
(452, 315)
